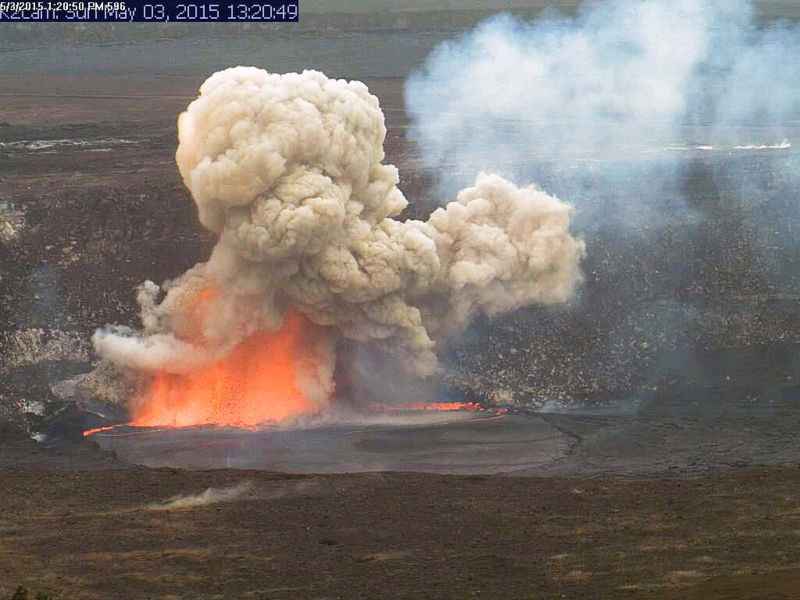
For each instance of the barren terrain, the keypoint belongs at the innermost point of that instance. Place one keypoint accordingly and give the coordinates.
(95, 534)
(669, 388)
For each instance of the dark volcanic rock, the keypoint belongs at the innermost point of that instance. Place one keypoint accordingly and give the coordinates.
(19, 452)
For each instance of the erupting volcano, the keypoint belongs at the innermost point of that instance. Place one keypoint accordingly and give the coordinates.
(260, 380)
(257, 382)
(288, 171)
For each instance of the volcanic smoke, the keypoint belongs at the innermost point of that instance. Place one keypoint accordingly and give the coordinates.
(288, 171)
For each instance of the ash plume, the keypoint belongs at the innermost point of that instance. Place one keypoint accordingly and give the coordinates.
(288, 170)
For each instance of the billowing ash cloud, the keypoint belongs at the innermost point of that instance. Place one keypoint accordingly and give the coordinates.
(288, 171)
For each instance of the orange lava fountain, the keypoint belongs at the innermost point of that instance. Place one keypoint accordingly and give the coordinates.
(255, 383)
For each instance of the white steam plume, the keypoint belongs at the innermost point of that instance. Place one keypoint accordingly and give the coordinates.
(602, 81)
(288, 171)
(624, 79)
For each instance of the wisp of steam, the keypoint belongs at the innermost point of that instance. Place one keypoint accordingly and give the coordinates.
(288, 171)
(209, 496)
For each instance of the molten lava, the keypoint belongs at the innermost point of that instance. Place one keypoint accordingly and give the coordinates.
(442, 406)
(263, 379)
(88, 432)
(257, 382)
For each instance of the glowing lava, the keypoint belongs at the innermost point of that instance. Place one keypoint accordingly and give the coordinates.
(88, 432)
(443, 406)
(257, 382)
(429, 406)
(270, 376)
